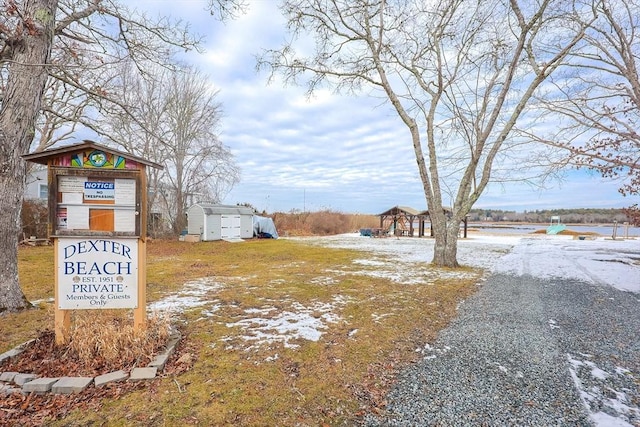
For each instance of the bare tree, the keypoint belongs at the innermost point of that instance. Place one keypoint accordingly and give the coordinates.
(127, 129)
(459, 75)
(91, 36)
(65, 107)
(181, 108)
(597, 98)
(197, 162)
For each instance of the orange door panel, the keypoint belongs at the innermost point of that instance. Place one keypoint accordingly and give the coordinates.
(101, 219)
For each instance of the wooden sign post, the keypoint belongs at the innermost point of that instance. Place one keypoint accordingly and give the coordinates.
(98, 223)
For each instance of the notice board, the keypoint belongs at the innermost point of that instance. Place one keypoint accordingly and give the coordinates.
(96, 203)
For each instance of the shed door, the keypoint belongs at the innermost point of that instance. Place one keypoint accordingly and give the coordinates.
(230, 225)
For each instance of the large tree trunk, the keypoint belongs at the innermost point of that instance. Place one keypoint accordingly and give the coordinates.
(27, 76)
(446, 233)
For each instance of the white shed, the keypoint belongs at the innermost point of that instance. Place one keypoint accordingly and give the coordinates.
(216, 222)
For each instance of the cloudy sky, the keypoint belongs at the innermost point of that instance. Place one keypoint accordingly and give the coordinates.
(345, 153)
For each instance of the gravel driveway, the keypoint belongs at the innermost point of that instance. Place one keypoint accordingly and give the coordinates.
(528, 351)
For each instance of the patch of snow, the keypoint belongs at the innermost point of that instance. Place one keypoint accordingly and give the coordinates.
(193, 294)
(432, 352)
(283, 327)
(378, 317)
(210, 312)
(370, 262)
(596, 397)
(272, 358)
(600, 261)
(602, 419)
(325, 281)
(263, 311)
(595, 371)
(403, 259)
(622, 371)
(407, 260)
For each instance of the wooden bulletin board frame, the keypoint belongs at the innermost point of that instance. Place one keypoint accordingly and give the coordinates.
(107, 208)
(113, 177)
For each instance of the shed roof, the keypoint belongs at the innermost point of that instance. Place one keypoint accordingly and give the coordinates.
(215, 209)
(43, 157)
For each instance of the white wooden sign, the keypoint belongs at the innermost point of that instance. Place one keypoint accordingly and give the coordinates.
(97, 273)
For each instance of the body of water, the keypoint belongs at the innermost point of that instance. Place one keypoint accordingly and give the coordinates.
(603, 230)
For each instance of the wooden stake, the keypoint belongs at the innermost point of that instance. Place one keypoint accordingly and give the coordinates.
(140, 312)
(62, 318)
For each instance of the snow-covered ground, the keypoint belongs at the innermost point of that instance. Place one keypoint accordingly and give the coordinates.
(601, 261)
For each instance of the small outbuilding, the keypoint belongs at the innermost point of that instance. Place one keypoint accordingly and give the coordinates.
(217, 222)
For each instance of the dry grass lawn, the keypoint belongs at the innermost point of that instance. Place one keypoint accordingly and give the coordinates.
(370, 327)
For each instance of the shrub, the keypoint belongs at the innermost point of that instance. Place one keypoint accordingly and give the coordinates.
(34, 217)
(321, 223)
(105, 335)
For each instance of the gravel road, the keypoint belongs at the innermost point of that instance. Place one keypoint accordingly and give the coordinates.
(526, 351)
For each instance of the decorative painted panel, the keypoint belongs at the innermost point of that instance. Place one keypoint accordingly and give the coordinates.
(95, 159)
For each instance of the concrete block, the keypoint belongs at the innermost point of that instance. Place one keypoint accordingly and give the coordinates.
(140, 374)
(39, 385)
(192, 238)
(70, 385)
(6, 390)
(10, 354)
(8, 376)
(169, 348)
(14, 351)
(171, 345)
(159, 361)
(111, 377)
(22, 379)
(25, 344)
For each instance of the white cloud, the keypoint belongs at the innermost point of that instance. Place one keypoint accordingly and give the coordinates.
(346, 153)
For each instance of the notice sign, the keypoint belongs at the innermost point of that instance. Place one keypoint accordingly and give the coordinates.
(97, 273)
(71, 184)
(96, 190)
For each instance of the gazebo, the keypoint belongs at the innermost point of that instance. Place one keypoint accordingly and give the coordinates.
(403, 219)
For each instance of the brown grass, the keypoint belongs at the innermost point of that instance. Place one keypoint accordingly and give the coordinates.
(110, 336)
(101, 341)
(235, 382)
(321, 223)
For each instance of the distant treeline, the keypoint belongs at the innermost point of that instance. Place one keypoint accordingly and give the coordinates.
(567, 216)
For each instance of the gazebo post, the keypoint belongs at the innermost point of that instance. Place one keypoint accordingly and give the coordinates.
(466, 220)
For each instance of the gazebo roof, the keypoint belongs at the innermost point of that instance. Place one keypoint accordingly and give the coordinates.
(403, 210)
(408, 211)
